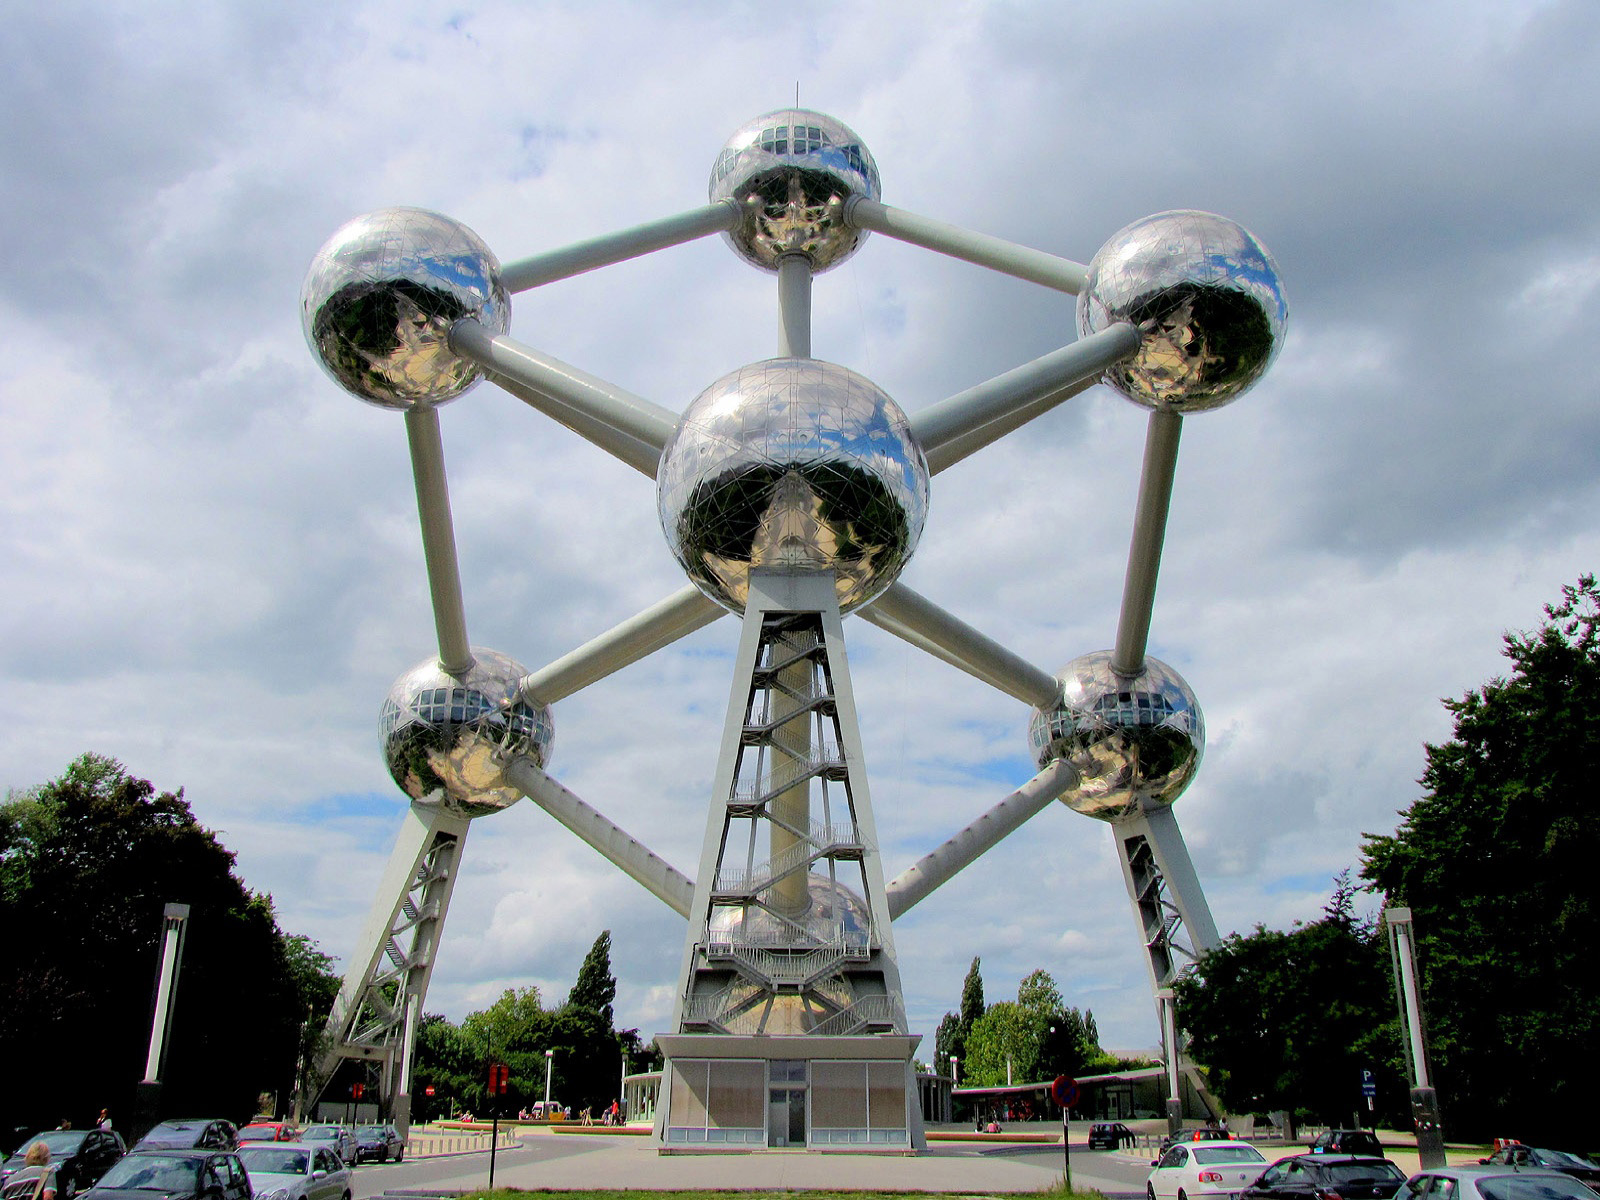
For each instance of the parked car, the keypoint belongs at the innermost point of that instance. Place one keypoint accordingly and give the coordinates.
(1207, 1169)
(191, 1133)
(1316, 1176)
(174, 1175)
(269, 1131)
(1494, 1182)
(340, 1139)
(281, 1171)
(1204, 1134)
(1108, 1135)
(381, 1142)
(1348, 1141)
(79, 1156)
(1518, 1155)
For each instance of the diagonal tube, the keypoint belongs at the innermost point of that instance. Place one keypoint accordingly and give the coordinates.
(918, 620)
(438, 538)
(998, 400)
(615, 844)
(1149, 532)
(614, 419)
(538, 269)
(679, 615)
(978, 838)
(995, 253)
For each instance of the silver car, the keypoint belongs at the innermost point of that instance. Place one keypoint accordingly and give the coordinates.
(336, 1137)
(291, 1171)
(1492, 1183)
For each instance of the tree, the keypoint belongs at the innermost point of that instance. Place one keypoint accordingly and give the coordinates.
(595, 987)
(1496, 862)
(951, 1036)
(1003, 1046)
(87, 863)
(1288, 1020)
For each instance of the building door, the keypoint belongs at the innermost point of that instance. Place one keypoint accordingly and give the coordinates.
(786, 1116)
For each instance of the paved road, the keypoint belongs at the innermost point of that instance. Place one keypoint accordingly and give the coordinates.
(554, 1160)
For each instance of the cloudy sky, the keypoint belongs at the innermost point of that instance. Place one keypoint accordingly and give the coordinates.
(212, 569)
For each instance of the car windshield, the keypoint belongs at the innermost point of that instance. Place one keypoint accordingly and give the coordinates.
(1213, 1155)
(370, 1130)
(1561, 1158)
(320, 1133)
(1364, 1172)
(62, 1142)
(275, 1160)
(1533, 1187)
(151, 1173)
(258, 1133)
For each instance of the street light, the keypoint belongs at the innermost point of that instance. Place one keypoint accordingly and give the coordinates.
(549, 1066)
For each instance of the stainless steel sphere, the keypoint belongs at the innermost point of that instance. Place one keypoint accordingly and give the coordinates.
(446, 738)
(1206, 299)
(380, 298)
(835, 911)
(797, 464)
(792, 171)
(1136, 743)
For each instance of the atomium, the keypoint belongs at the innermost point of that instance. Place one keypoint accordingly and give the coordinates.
(793, 463)
(446, 738)
(1206, 299)
(833, 913)
(1136, 742)
(380, 298)
(792, 171)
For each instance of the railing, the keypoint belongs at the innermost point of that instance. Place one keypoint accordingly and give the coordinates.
(824, 757)
(819, 840)
(869, 1010)
(794, 969)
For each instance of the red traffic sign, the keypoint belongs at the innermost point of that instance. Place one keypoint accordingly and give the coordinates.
(428, 1091)
(1064, 1091)
(499, 1078)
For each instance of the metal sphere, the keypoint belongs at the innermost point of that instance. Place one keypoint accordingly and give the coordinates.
(792, 171)
(380, 298)
(795, 464)
(1136, 742)
(1206, 299)
(833, 912)
(446, 737)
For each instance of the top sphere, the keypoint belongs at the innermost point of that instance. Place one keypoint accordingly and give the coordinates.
(792, 171)
(380, 298)
(797, 464)
(1206, 299)
(1135, 742)
(446, 738)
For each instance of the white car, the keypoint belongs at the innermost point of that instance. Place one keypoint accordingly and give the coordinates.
(294, 1171)
(1195, 1169)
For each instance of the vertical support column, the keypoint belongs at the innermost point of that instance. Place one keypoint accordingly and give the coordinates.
(794, 306)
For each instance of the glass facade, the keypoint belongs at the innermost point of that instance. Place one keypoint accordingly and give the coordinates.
(737, 1101)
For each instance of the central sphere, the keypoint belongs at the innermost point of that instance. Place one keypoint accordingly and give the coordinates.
(446, 738)
(1136, 741)
(791, 172)
(793, 464)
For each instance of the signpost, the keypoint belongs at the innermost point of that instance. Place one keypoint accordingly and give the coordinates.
(1065, 1093)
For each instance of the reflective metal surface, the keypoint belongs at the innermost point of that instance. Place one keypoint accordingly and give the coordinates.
(792, 170)
(1136, 743)
(835, 913)
(797, 464)
(445, 737)
(380, 298)
(1206, 299)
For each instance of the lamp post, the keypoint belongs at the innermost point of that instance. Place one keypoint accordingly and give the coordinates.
(549, 1066)
(622, 1089)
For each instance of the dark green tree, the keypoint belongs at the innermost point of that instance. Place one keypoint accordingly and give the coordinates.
(1496, 862)
(595, 987)
(955, 1028)
(87, 862)
(1289, 1020)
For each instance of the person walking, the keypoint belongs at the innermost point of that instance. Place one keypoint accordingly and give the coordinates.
(36, 1179)
(103, 1121)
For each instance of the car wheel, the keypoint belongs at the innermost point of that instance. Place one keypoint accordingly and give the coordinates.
(399, 1153)
(1181, 1195)
(1150, 1191)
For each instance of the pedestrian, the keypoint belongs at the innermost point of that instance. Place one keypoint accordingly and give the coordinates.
(104, 1120)
(36, 1170)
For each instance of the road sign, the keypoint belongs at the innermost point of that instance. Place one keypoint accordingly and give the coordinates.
(1369, 1085)
(1064, 1091)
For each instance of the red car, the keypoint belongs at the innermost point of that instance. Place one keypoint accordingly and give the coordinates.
(269, 1131)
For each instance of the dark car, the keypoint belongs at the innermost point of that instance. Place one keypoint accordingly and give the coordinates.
(191, 1133)
(1204, 1134)
(381, 1142)
(1315, 1176)
(174, 1175)
(1348, 1141)
(1518, 1155)
(80, 1156)
(1108, 1135)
